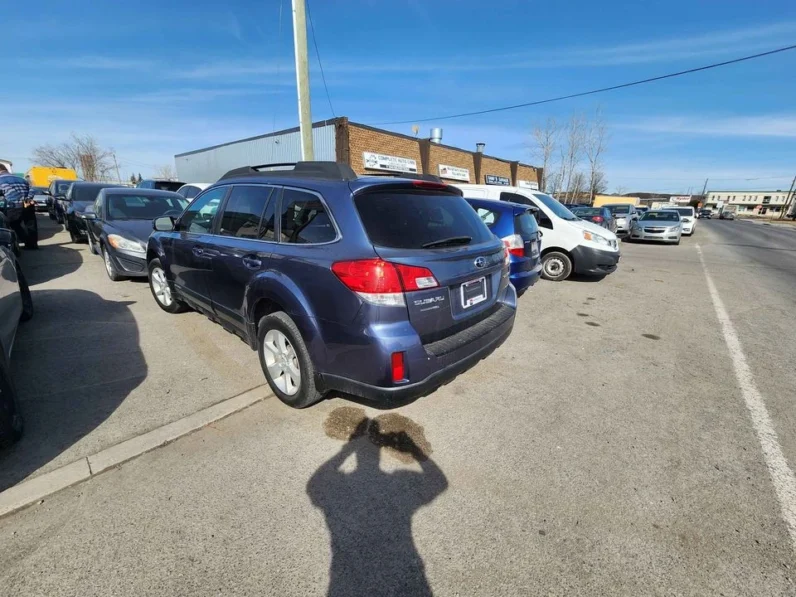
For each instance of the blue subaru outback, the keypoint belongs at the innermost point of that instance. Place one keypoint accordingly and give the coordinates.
(379, 288)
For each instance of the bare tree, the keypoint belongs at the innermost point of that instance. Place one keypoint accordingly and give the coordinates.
(595, 141)
(599, 184)
(165, 171)
(81, 153)
(572, 151)
(578, 186)
(620, 190)
(546, 137)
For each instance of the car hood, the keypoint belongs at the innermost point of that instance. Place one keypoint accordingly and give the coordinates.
(658, 224)
(596, 228)
(132, 229)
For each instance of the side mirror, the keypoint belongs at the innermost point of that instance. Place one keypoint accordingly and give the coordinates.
(164, 224)
(89, 215)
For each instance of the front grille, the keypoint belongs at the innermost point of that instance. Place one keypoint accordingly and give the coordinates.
(447, 345)
(655, 230)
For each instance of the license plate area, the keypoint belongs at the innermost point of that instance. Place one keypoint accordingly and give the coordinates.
(473, 292)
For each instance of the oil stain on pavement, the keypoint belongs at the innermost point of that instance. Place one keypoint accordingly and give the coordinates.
(593, 324)
(651, 336)
(400, 436)
(582, 314)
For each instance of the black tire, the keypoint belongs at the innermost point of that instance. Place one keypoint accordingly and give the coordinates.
(27, 299)
(307, 393)
(73, 235)
(176, 306)
(556, 266)
(110, 266)
(10, 419)
(51, 214)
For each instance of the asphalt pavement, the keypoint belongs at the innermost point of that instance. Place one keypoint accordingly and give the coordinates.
(606, 448)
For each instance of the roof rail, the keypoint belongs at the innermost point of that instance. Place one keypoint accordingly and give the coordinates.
(409, 175)
(323, 170)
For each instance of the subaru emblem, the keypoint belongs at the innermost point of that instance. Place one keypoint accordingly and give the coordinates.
(480, 262)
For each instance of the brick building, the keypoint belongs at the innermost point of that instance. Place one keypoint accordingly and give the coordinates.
(367, 149)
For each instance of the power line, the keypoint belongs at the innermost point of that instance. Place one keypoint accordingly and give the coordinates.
(318, 55)
(593, 91)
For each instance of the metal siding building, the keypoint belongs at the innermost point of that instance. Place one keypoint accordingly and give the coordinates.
(209, 164)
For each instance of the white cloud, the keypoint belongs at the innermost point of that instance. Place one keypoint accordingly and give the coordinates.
(774, 125)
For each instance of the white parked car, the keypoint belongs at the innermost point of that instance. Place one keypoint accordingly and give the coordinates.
(569, 244)
(688, 218)
(192, 189)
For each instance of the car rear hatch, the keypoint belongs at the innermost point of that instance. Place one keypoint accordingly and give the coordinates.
(451, 266)
(525, 225)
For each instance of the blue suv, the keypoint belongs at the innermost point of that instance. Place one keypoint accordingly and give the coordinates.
(516, 226)
(379, 288)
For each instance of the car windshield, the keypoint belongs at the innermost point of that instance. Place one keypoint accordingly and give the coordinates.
(556, 207)
(661, 216)
(586, 211)
(86, 193)
(168, 185)
(405, 219)
(142, 207)
(685, 211)
(618, 209)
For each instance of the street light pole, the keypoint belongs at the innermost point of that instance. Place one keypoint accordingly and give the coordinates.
(788, 199)
(302, 78)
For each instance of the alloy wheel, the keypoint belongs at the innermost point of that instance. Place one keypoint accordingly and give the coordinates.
(282, 362)
(161, 287)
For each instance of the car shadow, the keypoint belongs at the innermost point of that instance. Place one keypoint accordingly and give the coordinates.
(73, 364)
(369, 512)
(52, 260)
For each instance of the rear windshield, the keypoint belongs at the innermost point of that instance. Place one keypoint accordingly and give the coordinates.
(685, 211)
(525, 225)
(404, 219)
(167, 185)
(619, 209)
(587, 211)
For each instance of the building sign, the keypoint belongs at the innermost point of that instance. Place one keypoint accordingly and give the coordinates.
(528, 184)
(499, 180)
(680, 199)
(391, 163)
(454, 173)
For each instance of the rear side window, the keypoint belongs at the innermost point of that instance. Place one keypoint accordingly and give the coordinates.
(489, 217)
(244, 210)
(525, 225)
(304, 219)
(407, 219)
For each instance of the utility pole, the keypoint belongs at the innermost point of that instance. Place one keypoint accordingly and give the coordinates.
(788, 199)
(704, 190)
(302, 78)
(115, 163)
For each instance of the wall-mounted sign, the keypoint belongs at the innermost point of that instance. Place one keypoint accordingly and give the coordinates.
(499, 180)
(454, 173)
(391, 163)
(528, 184)
(680, 199)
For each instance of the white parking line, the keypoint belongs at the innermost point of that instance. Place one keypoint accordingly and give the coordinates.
(781, 475)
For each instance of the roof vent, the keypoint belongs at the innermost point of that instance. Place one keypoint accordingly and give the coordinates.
(436, 135)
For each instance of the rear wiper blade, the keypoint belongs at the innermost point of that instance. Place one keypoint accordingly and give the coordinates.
(451, 241)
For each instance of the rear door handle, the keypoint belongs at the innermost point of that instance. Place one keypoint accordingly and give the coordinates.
(252, 262)
(198, 251)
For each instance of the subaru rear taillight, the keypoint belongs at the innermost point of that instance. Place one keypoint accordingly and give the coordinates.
(514, 244)
(597, 219)
(383, 283)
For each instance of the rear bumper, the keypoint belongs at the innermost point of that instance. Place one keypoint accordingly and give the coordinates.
(455, 355)
(594, 262)
(522, 277)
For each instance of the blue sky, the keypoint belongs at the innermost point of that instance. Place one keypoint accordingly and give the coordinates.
(152, 79)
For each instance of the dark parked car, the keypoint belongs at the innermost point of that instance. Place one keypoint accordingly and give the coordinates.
(15, 305)
(120, 222)
(599, 215)
(160, 185)
(381, 288)
(516, 226)
(41, 198)
(78, 198)
(727, 215)
(705, 213)
(57, 205)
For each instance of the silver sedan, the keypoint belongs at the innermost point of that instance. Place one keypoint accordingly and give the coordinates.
(662, 226)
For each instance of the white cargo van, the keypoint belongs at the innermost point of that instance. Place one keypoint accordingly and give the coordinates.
(569, 244)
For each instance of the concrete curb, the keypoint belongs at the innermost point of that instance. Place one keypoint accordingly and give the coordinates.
(28, 492)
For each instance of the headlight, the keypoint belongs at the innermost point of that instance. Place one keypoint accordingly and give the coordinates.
(125, 244)
(674, 228)
(596, 238)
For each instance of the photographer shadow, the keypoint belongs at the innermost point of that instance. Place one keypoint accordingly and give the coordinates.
(369, 513)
